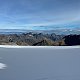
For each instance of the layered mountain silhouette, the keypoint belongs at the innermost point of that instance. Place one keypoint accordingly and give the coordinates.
(39, 39)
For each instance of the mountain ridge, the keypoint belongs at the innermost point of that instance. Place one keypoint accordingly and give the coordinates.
(39, 39)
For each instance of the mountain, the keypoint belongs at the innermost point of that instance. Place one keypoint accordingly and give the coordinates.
(72, 40)
(39, 39)
(45, 42)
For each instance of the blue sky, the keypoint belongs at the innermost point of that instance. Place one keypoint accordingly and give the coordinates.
(39, 14)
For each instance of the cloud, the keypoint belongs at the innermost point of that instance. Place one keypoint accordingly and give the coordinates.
(3, 66)
(26, 13)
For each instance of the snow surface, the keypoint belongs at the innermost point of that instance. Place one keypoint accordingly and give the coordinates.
(54, 47)
(40, 63)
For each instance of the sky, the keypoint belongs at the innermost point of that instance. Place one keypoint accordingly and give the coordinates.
(39, 14)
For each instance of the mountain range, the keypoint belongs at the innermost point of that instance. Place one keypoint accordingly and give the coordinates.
(39, 39)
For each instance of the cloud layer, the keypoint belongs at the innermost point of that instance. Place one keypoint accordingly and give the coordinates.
(28, 13)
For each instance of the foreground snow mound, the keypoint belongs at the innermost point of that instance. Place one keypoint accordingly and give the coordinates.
(2, 66)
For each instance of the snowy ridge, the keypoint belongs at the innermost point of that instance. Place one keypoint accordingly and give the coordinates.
(53, 47)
